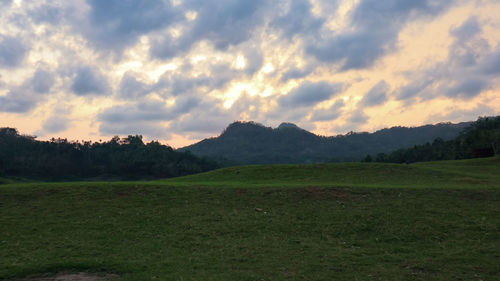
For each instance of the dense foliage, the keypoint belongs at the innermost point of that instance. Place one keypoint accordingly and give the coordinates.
(119, 158)
(252, 143)
(480, 139)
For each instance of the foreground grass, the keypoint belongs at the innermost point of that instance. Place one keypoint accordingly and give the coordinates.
(285, 230)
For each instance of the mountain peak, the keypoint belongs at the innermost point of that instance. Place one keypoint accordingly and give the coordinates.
(286, 125)
(243, 127)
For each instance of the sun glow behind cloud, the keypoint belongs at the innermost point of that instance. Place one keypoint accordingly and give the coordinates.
(181, 71)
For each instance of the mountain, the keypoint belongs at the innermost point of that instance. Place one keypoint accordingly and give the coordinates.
(253, 143)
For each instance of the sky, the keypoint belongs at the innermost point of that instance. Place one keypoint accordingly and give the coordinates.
(179, 71)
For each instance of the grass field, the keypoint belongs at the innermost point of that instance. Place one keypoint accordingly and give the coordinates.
(348, 221)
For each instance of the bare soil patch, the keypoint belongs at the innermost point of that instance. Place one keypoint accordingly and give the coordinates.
(81, 276)
(324, 192)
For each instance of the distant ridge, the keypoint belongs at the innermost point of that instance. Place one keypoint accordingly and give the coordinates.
(253, 143)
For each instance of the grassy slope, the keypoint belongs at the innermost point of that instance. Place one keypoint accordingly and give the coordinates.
(442, 174)
(179, 230)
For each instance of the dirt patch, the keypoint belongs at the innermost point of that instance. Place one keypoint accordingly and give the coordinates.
(472, 180)
(324, 192)
(81, 276)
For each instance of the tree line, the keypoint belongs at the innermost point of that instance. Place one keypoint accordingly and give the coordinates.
(118, 158)
(480, 139)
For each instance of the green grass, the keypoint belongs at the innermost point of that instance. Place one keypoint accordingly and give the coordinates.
(426, 221)
(443, 174)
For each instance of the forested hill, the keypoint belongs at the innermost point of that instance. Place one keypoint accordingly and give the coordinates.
(119, 158)
(480, 139)
(253, 143)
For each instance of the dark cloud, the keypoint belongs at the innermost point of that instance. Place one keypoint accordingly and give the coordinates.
(116, 24)
(176, 84)
(5, 3)
(89, 81)
(357, 117)
(254, 59)
(309, 94)
(375, 26)
(298, 19)
(296, 73)
(25, 97)
(354, 50)
(147, 118)
(42, 81)
(490, 65)
(377, 95)
(12, 51)
(51, 12)
(468, 88)
(55, 124)
(468, 46)
(184, 105)
(143, 111)
(17, 102)
(224, 23)
(131, 88)
(470, 28)
(412, 89)
(330, 114)
(144, 118)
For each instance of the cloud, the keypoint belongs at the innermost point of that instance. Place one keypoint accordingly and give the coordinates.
(142, 111)
(116, 24)
(309, 94)
(469, 28)
(209, 117)
(357, 117)
(468, 88)
(131, 88)
(415, 87)
(12, 51)
(5, 3)
(55, 124)
(377, 95)
(296, 73)
(176, 84)
(490, 65)
(330, 114)
(203, 123)
(224, 23)
(47, 12)
(89, 81)
(17, 102)
(373, 31)
(42, 81)
(469, 70)
(25, 97)
(144, 118)
(452, 114)
(298, 19)
(354, 121)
